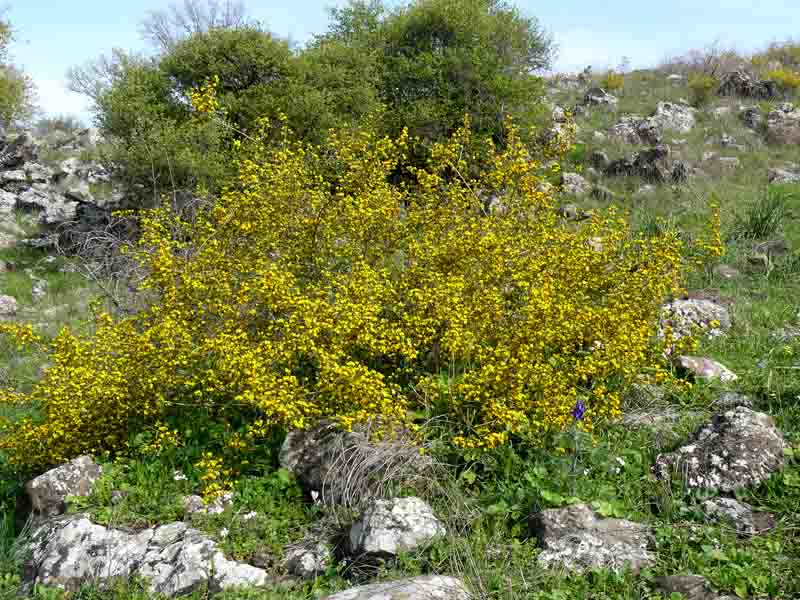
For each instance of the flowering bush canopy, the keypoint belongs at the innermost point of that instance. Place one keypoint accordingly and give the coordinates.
(316, 286)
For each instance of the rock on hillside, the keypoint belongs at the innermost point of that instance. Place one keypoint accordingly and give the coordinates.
(736, 449)
(175, 559)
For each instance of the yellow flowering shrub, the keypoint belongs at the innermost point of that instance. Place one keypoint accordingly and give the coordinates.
(787, 79)
(340, 282)
(612, 81)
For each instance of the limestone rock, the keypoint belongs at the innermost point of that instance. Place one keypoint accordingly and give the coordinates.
(574, 184)
(598, 96)
(739, 83)
(738, 448)
(728, 400)
(783, 124)
(310, 454)
(308, 558)
(431, 587)
(676, 117)
(633, 129)
(691, 587)
(752, 117)
(578, 539)
(688, 316)
(47, 494)
(651, 165)
(742, 516)
(320, 458)
(388, 527)
(8, 306)
(727, 272)
(706, 368)
(196, 505)
(174, 558)
(781, 176)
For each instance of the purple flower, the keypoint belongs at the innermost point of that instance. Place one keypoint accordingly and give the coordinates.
(579, 411)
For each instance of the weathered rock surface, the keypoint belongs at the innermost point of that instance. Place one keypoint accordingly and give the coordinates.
(308, 558)
(736, 449)
(575, 184)
(740, 83)
(740, 515)
(432, 587)
(174, 558)
(676, 117)
(598, 96)
(729, 400)
(8, 306)
(783, 124)
(706, 368)
(686, 317)
(652, 164)
(47, 494)
(780, 176)
(388, 527)
(338, 465)
(577, 539)
(633, 129)
(691, 587)
(311, 454)
(751, 116)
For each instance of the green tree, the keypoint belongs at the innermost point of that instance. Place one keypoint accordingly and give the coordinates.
(16, 88)
(441, 59)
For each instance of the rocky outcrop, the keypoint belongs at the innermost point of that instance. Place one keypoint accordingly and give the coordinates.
(751, 116)
(578, 539)
(687, 317)
(307, 558)
(599, 97)
(783, 124)
(47, 494)
(740, 83)
(431, 587)
(575, 184)
(675, 117)
(174, 558)
(738, 448)
(8, 306)
(653, 165)
(739, 515)
(782, 176)
(634, 129)
(706, 368)
(341, 466)
(388, 527)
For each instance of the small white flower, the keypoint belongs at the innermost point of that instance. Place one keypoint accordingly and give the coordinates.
(179, 476)
(249, 516)
(620, 460)
(314, 496)
(224, 532)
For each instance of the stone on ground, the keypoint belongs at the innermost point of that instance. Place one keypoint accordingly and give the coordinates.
(576, 538)
(747, 521)
(737, 449)
(388, 527)
(706, 368)
(691, 316)
(431, 587)
(47, 494)
(175, 559)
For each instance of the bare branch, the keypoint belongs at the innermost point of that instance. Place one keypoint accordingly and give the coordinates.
(165, 28)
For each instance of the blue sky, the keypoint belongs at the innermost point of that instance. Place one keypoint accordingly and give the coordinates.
(56, 34)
